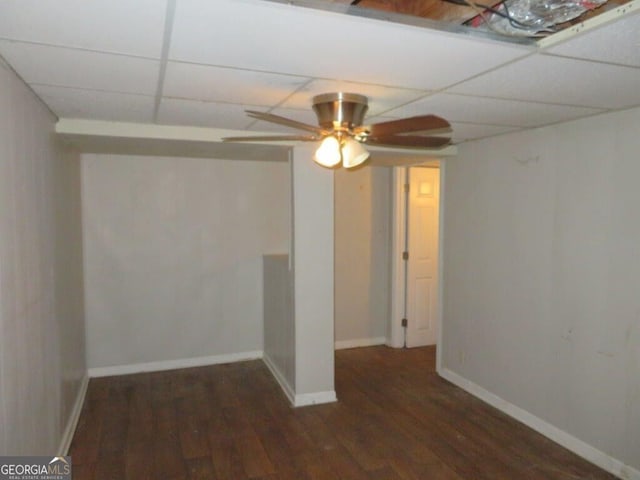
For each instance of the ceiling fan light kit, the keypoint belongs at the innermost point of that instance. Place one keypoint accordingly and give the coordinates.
(341, 113)
(340, 110)
(353, 153)
(342, 131)
(328, 153)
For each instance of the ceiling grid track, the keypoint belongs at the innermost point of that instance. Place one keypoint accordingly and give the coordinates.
(164, 55)
(270, 110)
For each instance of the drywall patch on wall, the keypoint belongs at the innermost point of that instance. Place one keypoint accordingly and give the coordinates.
(541, 265)
(173, 255)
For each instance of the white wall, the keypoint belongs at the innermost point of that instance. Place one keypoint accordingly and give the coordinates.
(173, 255)
(313, 257)
(362, 250)
(541, 270)
(42, 356)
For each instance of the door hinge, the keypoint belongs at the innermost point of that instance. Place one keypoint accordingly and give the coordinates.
(404, 322)
(406, 188)
(405, 255)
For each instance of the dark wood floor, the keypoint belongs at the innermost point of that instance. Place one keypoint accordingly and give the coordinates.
(396, 419)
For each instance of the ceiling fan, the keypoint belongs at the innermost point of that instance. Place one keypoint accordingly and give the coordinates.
(342, 133)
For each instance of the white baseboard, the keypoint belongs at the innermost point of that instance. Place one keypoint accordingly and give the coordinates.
(72, 422)
(173, 364)
(577, 446)
(316, 398)
(284, 384)
(301, 400)
(360, 342)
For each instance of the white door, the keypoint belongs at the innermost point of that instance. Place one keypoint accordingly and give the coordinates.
(422, 265)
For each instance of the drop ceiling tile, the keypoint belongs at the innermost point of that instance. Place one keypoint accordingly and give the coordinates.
(463, 132)
(463, 108)
(617, 42)
(91, 104)
(290, 39)
(67, 67)
(381, 98)
(217, 84)
(204, 114)
(117, 26)
(544, 78)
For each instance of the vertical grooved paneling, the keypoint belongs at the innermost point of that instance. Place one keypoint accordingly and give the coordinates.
(279, 328)
(41, 317)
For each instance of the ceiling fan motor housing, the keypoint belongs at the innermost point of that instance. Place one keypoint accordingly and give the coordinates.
(340, 110)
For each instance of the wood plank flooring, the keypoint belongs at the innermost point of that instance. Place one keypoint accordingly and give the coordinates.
(395, 419)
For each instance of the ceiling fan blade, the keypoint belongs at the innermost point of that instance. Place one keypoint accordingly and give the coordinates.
(273, 138)
(270, 117)
(408, 141)
(410, 124)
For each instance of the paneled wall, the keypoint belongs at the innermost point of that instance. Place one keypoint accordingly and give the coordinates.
(541, 269)
(42, 346)
(173, 256)
(279, 321)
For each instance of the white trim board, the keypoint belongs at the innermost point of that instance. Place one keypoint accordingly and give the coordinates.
(297, 400)
(594, 22)
(78, 127)
(360, 342)
(441, 247)
(577, 446)
(72, 422)
(316, 398)
(303, 399)
(173, 364)
(398, 221)
(282, 381)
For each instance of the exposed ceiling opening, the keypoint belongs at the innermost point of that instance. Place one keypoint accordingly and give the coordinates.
(526, 18)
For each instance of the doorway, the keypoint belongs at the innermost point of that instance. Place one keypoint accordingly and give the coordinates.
(415, 283)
